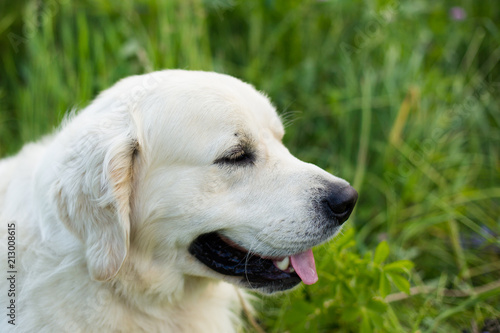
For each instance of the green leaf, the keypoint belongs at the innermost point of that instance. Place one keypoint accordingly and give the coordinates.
(376, 318)
(350, 314)
(376, 305)
(346, 292)
(399, 266)
(365, 324)
(381, 252)
(345, 240)
(295, 316)
(400, 282)
(384, 285)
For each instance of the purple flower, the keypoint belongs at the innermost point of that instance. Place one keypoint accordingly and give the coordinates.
(458, 13)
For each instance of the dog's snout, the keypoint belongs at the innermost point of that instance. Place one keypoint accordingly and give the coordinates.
(340, 203)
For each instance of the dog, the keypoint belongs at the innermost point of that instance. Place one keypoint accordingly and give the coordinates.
(149, 209)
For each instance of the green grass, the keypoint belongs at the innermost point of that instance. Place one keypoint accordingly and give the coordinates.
(394, 96)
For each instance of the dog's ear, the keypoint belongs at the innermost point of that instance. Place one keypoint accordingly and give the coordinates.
(93, 189)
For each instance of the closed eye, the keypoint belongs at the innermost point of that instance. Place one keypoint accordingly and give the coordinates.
(237, 157)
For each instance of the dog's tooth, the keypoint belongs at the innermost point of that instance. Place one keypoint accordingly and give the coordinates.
(283, 264)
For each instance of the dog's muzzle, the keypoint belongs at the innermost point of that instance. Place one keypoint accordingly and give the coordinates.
(270, 274)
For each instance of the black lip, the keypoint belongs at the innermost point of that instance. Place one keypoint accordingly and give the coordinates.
(255, 271)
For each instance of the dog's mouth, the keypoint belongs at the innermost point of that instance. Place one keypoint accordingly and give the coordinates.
(268, 274)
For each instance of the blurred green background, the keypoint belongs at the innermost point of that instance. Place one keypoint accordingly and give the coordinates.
(399, 97)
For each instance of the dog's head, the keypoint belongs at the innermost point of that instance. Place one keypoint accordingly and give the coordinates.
(188, 171)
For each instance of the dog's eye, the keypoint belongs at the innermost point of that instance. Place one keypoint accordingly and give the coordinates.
(236, 158)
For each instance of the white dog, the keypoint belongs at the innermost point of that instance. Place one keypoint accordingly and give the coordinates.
(135, 214)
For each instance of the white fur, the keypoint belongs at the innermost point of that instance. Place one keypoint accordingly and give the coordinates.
(106, 208)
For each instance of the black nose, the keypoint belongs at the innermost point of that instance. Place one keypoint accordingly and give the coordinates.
(339, 203)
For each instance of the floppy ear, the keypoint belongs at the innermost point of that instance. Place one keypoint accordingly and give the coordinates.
(93, 189)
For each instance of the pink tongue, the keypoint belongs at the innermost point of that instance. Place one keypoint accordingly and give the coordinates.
(304, 266)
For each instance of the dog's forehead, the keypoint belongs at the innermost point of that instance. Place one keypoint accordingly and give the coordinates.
(207, 110)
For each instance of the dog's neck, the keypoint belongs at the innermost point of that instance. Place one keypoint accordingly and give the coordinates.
(145, 281)
(144, 286)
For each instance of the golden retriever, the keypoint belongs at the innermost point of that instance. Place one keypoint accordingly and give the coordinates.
(147, 210)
